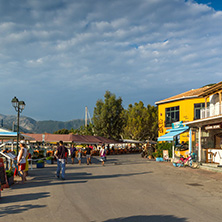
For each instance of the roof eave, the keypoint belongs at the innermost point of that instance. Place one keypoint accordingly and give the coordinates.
(211, 90)
(204, 121)
(177, 99)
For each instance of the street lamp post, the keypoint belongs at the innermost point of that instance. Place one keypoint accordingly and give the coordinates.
(19, 106)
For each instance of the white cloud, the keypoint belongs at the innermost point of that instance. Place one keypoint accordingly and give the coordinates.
(130, 47)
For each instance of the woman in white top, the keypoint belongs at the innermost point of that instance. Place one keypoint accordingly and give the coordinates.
(21, 159)
(103, 154)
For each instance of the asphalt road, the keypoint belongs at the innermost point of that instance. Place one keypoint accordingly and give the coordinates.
(127, 188)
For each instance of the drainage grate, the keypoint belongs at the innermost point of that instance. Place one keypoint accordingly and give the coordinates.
(195, 184)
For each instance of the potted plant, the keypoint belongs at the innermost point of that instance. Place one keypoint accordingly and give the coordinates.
(158, 156)
(10, 177)
(40, 164)
(49, 159)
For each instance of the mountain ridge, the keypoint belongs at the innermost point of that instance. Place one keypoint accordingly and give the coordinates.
(29, 125)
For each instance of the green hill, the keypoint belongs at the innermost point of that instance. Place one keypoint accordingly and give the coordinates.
(29, 125)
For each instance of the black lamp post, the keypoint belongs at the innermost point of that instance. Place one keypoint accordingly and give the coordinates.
(19, 106)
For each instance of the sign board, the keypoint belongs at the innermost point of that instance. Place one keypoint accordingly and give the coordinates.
(177, 125)
(165, 154)
(218, 126)
(2, 172)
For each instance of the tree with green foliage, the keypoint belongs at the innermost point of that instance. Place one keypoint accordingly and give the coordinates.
(84, 130)
(140, 122)
(153, 122)
(75, 131)
(108, 117)
(62, 131)
(89, 130)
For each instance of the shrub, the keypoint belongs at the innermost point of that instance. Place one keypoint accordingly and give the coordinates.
(163, 146)
(50, 158)
(40, 161)
(9, 173)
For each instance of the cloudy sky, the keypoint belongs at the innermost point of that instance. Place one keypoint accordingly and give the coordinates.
(62, 55)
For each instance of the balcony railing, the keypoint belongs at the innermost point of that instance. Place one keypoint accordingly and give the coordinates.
(212, 110)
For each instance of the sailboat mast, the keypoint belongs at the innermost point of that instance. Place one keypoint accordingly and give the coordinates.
(86, 112)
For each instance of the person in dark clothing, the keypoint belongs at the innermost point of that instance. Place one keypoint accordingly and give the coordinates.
(73, 153)
(90, 160)
(88, 154)
(61, 156)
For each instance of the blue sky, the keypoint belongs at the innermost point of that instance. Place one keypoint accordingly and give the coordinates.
(216, 4)
(62, 55)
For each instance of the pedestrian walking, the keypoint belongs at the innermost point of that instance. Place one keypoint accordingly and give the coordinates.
(88, 154)
(26, 164)
(79, 156)
(90, 160)
(73, 153)
(21, 160)
(61, 155)
(103, 154)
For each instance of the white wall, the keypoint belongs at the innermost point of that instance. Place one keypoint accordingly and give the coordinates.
(214, 105)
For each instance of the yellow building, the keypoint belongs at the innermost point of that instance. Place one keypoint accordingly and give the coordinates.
(208, 128)
(184, 107)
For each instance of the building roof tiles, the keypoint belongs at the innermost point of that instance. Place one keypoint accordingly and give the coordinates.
(211, 90)
(186, 95)
(70, 138)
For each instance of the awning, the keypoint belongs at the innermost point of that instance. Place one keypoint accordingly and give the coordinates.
(13, 135)
(131, 141)
(70, 138)
(173, 132)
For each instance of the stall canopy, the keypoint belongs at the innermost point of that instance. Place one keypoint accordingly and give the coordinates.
(70, 138)
(13, 136)
(172, 133)
(132, 141)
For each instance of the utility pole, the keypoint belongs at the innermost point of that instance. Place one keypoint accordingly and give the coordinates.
(19, 106)
(13, 126)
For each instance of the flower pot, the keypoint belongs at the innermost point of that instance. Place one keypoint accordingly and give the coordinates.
(40, 165)
(50, 161)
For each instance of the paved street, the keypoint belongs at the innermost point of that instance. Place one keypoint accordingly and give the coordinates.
(127, 188)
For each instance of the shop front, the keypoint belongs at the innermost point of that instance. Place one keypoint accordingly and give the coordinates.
(207, 134)
(173, 136)
(207, 131)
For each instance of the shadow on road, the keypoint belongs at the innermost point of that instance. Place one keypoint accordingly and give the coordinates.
(43, 183)
(24, 197)
(89, 176)
(110, 160)
(15, 209)
(71, 178)
(153, 218)
(44, 177)
(95, 161)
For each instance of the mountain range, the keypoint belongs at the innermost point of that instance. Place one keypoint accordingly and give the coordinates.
(29, 125)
